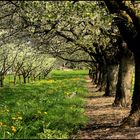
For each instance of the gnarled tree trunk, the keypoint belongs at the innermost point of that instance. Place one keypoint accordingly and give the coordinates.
(132, 38)
(124, 84)
(134, 117)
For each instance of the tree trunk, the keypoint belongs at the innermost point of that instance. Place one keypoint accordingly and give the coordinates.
(28, 79)
(99, 78)
(1, 80)
(131, 37)
(124, 84)
(90, 73)
(24, 80)
(103, 78)
(93, 77)
(39, 77)
(112, 77)
(19, 77)
(134, 118)
(96, 76)
(15, 79)
(33, 77)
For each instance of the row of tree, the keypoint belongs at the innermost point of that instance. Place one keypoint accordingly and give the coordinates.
(103, 34)
(128, 22)
(20, 60)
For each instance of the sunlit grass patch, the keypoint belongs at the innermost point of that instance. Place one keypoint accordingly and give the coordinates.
(51, 108)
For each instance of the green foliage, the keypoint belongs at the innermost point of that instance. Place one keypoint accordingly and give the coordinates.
(44, 109)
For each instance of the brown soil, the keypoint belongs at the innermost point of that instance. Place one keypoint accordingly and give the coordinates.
(104, 120)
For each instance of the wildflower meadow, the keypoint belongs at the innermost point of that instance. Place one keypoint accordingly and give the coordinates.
(51, 108)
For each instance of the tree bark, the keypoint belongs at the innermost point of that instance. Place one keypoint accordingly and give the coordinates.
(1, 80)
(28, 79)
(99, 78)
(134, 117)
(103, 78)
(96, 77)
(131, 37)
(24, 80)
(124, 84)
(19, 77)
(39, 77)
(15, 79)
(112, 77)
(90, 73)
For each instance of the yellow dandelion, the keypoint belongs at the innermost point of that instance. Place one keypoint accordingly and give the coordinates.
(13, 128)
(13, 118)
(45, 113)
(67, 93)
(19, 118)
(7, 110)
(50, 81)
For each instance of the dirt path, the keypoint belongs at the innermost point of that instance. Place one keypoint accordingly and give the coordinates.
(104, 119)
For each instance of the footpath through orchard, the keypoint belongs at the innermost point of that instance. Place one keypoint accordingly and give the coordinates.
(104, 120)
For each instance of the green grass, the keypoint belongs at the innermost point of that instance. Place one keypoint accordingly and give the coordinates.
(44, 109)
